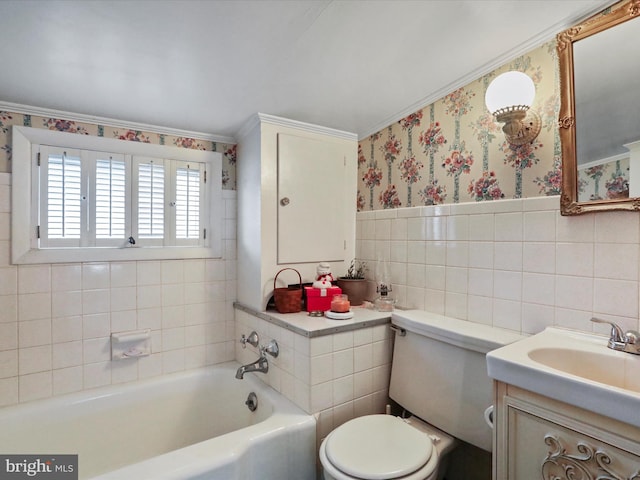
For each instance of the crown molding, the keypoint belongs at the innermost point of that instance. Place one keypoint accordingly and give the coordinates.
(111, 122)
(526, 47)
(260, 118)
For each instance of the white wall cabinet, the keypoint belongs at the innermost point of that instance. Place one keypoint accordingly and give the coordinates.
(297, 187)
(540, 438)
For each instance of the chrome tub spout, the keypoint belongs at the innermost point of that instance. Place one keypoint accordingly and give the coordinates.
(260, 365)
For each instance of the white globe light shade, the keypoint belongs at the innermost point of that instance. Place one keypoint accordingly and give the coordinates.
(509, 89)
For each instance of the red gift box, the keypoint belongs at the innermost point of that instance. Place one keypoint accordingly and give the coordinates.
(320, 298)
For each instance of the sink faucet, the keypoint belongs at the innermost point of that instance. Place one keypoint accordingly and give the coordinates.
(262, 363)
(628, 342)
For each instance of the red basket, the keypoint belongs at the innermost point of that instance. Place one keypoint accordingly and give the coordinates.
(288, 299)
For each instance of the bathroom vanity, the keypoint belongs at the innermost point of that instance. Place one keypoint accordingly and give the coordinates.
(566, 407)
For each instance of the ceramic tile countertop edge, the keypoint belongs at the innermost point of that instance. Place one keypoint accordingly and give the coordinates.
(307, 326)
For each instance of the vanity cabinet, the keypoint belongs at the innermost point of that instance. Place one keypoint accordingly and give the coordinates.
(536, 437)
(297, 187)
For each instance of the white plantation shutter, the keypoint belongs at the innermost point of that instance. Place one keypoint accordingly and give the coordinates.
(111, 190)
(151, 194)
(187, 201)
(61, 197)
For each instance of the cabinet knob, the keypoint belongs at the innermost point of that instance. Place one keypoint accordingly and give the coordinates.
(284, 201)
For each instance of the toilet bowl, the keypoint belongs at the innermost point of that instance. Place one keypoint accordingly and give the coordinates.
(384, 447)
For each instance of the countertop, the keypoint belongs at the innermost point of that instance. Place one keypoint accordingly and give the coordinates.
(302, 324)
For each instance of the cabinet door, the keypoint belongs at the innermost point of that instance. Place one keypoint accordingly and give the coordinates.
(311, 200)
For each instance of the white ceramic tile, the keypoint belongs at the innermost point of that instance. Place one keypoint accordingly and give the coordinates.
(150, 366)
(362, 336)
(342, 363)
(97, 374)
(172, 271)
(507, 285)
(507, 314)
(540, 226)
(66, 277)
(123, 298)
(509, 227)
(414, 298)
(343, 390)
(617, 227)
(96, 350)
(148, 273)
(481, 254)
(398, 273)
(458, 228)
(123, 274)
(8, 363)
(616, 297)
(34, 359)
(150, 318)
(66, 303)
(149, 296)
(363, 383)
(67, 354)
(321, 369)
(32, 333)
(5, 253)
(362, 358)
(35, 386)
(434, 301)
(480, 309)
(381, 377)
(5, 226)
(381, 332)
(381, 353)
(456, 305)
(416, 229)
(321, 396)
(8, 336)
(8, 281)
(535, 318)
(457, 280)
(66, 329)
(481, 282)
(436, 253)
(34, 279)
(416, 275)
(343, 413)
(96, 325)
(618, 262)
(383, 229)
(574, 293)
(399, 229)
(457, 254)
(95, 276)
(578, 228)
(435, 277)
(342, 341)
(34, 306)
(8, 308)
(67, 380)
(398, 251)
(508, 256)
(172, 294)
(538, 288)
(539, 257)
(321, 345)
(173, 361)
(574, 259)
(385, 214)
(302, 396)
(436, 228)
(481, 227)
(124, 371)
(8, 391)
(124, 321)
(416, 252)
(368, 229)
(95, 301)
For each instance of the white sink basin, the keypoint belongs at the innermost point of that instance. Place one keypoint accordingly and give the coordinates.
(573, 367)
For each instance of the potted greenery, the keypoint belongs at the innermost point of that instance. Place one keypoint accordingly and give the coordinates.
(354, 283)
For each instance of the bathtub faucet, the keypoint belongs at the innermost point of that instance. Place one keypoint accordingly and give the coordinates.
(262, 364)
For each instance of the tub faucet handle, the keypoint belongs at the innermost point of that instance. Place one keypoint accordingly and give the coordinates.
(252, 340)
(272, 349)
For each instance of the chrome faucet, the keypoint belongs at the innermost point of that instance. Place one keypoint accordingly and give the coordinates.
(262, 363)
(628, 342)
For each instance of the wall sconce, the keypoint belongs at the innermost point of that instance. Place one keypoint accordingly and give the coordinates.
(509, 98)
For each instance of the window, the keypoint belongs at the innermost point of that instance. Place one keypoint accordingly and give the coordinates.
(92, 198)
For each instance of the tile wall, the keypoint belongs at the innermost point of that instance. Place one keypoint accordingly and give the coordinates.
(337, 377)
(516, 264)
(55, 319)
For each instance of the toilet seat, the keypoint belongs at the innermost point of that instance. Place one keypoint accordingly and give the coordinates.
(378, 447)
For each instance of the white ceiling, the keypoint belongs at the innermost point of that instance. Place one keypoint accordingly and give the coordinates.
(209, 65)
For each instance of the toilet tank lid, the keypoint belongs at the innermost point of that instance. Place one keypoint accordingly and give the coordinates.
(462, 333)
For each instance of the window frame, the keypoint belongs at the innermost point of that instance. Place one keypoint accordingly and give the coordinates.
(24, 245)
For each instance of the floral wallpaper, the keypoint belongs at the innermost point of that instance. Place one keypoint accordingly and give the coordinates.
(605, 181)
(453, 150)
(7, 119)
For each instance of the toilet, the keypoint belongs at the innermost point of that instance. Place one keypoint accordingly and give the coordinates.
(439, 375)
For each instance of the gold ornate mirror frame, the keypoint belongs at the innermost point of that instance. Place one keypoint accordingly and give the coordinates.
(609, 18)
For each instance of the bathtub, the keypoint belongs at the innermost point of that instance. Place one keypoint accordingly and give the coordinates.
(192, 425)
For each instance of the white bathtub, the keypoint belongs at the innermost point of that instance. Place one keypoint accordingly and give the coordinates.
(192, 425)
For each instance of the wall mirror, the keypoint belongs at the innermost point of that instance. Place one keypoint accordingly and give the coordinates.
(600, 111)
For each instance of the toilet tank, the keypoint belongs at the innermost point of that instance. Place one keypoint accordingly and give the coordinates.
(439, 372)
